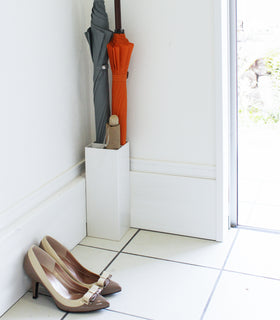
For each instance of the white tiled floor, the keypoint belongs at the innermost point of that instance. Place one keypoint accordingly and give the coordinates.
(256, 253)
(259, 177)
(166, 276)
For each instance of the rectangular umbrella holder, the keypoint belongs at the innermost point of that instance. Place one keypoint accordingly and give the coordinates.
(107, 191)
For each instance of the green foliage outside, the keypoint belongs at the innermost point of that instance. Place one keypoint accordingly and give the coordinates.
(272, 62)
(252, 109)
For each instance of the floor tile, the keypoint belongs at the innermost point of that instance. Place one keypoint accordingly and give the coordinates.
(242, 297)
(258, 155)
(182, 249)
(244, 212)
(256, 253)
(159, 289)
(109, 244)
(270, 193)
(264, 216)
(29, 308)
(102, 315)
(93, 259)
(248, 190)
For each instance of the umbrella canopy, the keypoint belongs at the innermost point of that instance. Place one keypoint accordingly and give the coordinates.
(98, 36)
(119, 51)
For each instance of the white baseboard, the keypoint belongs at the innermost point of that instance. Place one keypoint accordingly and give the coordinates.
(11, 215)
(174, 198)
(62, 215)
(181, 169)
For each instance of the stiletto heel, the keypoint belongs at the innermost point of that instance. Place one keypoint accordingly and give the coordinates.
(67, 293)
(35, 287)
(75, 270)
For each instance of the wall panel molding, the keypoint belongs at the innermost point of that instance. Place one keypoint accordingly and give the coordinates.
(11, 215)
(173, 204)
(173, 168)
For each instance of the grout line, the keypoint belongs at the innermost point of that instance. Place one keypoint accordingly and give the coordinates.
(168, 260)
(211, 295)
(128, 242)
(231, 247)
(135, 234)
(12, 306)
(66, 314)
(84, 245)
(251, 275)
(177, 235)
(219, 277)
(128, 314)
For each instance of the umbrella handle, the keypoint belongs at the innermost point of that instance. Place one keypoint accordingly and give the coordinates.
(118, 19)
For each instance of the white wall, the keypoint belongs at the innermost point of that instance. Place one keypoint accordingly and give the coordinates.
(45, 118)
(171, 109)
(45, 123)
(173, 94)
(45, 100)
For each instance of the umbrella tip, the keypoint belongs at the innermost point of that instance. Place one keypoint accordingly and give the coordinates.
(118, 18)
(119, 31)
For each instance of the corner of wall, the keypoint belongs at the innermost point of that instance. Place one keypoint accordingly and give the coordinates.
(62, 215)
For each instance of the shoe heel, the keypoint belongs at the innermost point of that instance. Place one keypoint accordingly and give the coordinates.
(35, 287)
(33, 276)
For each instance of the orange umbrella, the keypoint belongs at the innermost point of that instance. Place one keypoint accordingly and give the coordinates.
(119, 51)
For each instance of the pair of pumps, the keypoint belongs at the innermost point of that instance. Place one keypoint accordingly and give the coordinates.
(72, 286)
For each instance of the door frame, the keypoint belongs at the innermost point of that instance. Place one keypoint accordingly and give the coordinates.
(223, 115)
(233, 184)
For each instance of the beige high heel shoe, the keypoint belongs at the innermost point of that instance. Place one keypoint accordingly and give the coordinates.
(68, 295)
(69, 263)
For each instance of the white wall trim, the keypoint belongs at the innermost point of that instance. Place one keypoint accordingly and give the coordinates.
(174, 197)
(221, 17)
(173, 204)
(219, 118)
(13, 213)
(181, 169)
(233, 203)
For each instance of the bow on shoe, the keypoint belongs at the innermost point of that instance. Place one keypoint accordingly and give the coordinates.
(104, 279)
(92, 293)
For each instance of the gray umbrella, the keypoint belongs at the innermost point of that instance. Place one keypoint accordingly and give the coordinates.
(98, 36)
